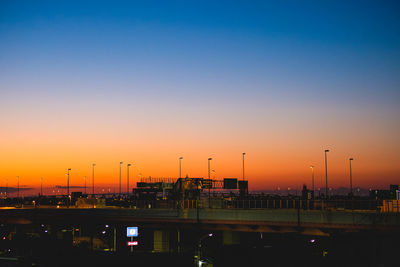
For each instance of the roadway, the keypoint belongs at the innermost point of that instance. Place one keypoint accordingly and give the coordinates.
(252, 220)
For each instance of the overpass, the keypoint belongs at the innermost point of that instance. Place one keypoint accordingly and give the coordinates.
(200, 227)
(308, 218)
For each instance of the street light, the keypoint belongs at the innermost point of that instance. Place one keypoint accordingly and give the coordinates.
(68, 181)
(312, 179)
(209, 180)
(84, 177)
(199, 246)
(351, 178)
(6, 187)
(68, 187)
(127, 178)
(326, 173)
(41, 186)
(120, 166)
(18, 187)
(93, 165)
(243, 164)
(180, 167)
(209, 160)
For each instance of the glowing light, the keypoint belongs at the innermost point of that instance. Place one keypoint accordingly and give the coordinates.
(132, 243)
(131, 231)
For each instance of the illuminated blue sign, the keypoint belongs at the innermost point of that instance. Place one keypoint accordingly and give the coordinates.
(131, 231)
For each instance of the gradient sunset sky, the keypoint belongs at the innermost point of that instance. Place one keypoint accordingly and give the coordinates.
(145, 82)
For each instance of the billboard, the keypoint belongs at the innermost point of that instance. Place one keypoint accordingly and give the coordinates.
(230, 183)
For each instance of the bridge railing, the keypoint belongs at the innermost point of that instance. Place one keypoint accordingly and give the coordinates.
(340, 204)
(382, 206)
(368, 205)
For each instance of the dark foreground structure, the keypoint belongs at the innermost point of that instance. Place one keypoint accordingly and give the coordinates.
(183, 227)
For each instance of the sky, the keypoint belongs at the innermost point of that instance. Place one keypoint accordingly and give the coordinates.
(147, 82)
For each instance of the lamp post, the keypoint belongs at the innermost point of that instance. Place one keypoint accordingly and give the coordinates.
(209, 180)
(120, 167)
(93, 165)
(243, 163)
(351, 178)
(127, 178)
(312, 179)
(180, 167)
(6, 187)
(199, 247)
(68, 187)
(18, 187)
(68, 181)
(84, 177)
(326, 173)
(209, 160)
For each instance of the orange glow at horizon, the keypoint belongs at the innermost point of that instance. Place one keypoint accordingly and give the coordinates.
(278, 151)
(267, 168)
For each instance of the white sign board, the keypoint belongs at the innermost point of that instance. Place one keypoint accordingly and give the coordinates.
(131, 231)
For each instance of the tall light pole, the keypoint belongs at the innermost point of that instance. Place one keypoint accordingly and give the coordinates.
(180, 167)
(18, 187)
(127, 178)
(93, 165)
(68, 182)
(312, 179)
(6, 187)
(209, 160)
(326, 173)
(209, 180)
(41, 186)
(351, 178)
(120, 168)
(84, 177)
(243, 163)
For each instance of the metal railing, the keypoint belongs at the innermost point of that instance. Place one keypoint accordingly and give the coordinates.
(381, 206)
(302, 204)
